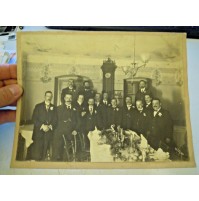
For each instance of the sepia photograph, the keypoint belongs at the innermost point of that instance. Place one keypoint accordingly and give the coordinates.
(102, 100)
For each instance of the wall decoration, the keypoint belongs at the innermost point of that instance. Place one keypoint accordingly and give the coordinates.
(46, 74)
(156, 75)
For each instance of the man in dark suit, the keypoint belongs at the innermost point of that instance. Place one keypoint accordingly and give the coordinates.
(66, 130)
(71, 89)
(160, 127)
(148, 103)
(87, 91)
(140, 118)
(99, 108)
(98, 103)
(81, 108)
(44, 118)
(91, 121)
(128, 112)
(80, 104)
(142, 91)
(105, 105)
(114, 115)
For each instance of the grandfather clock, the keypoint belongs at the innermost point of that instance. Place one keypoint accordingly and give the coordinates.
(108, 69)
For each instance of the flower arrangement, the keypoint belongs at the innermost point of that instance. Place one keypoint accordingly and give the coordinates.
(128, 146)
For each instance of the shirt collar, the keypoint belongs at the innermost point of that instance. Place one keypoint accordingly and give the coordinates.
(148, 104)
(46, 103)
(155, 112)
(80, 103)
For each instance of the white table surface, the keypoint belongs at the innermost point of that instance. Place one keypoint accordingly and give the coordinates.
(7, 130)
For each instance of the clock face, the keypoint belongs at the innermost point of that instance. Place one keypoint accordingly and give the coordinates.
(107, 75)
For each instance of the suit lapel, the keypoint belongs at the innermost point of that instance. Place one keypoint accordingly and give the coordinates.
(50, 112)
(158, 113)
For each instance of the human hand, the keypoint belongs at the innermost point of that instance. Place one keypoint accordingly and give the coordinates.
(50, 127)
(10, 91)
(45, 128)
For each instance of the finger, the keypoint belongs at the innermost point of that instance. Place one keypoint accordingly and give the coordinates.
(8, 71)
(10, 94)
(7, 116)
(10, 81)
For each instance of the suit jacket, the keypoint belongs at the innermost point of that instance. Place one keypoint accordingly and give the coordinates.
(99, 108)
(80, 118)
(160, 127)
(149, 108)
(140, 121)
(91, 120)
(67, 120)
(104, 112)
(114, 116)
(42, 116)
(127, 117)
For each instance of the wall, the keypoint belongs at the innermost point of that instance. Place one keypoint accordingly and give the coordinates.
(164, 80)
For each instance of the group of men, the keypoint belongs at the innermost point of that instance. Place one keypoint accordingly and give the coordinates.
(78, 114)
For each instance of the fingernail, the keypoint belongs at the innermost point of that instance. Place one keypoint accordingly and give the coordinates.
(15, 90)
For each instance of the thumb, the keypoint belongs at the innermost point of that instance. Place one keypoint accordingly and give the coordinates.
(9, 94)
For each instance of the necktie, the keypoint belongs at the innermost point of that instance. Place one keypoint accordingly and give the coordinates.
(68, 107)
(91, 110)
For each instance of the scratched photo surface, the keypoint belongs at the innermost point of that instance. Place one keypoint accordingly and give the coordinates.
(102, 100)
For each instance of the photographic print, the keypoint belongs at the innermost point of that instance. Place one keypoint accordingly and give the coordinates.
(102, 100)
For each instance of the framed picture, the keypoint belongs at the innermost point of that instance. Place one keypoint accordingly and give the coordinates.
(102, 100)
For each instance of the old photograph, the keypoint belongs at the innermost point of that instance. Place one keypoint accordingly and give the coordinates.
(102, 100)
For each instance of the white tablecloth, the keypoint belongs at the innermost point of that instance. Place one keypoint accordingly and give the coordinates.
(99, 153)
(26, 132)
